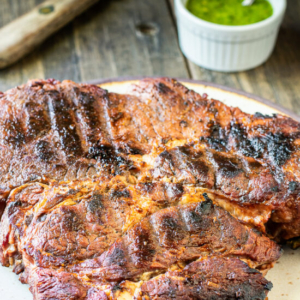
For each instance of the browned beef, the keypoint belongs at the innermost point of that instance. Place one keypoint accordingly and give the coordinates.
(90, 239)
(67, 131)
(209, 278)
(108, 194)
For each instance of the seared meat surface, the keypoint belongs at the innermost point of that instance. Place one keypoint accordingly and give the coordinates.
(161, 193)
(161, 132)
(216, 278)
(110, 238)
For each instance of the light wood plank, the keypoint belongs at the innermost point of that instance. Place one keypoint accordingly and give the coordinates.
(25, 33)
(104, 42)
(113, 45)
(29, 67)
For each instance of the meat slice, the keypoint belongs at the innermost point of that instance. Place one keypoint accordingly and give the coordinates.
(271, 142)
(175, 236)
(66, 250)
(208, 278)
(68, 222)
(52, 130)
(161, 193)
(160, 132)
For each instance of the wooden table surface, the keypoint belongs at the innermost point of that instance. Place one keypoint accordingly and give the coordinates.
(138, 37)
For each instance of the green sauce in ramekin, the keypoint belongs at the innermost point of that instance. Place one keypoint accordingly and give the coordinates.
(230, 12)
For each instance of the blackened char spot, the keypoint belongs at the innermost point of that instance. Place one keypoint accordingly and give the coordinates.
(205, 207)
(43, 151)
(293, 185)
(116, 287)
(249, 147)
(217, 139)
(269, 286)
(120, 193)
(61, 115)
(183, 123)
(37, 121)
(279, 148)
(162, 88)
(109, 158)
(103, 152)
(227, 167)
(95, 204)
(134, 150)
(169, 223)
(166, 155)
(259, 115)
(14, 135)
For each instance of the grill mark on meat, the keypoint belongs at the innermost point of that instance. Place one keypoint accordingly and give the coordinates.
(13, 133)
(228, 278)
(129, 128)
(187, 164)
(230, 175)
(181, 239)
(198, 164)
(62, 118)
(143, 247)
(37, 122)
(90, 118)
(220, 154)
(168, 228)
(44, 151)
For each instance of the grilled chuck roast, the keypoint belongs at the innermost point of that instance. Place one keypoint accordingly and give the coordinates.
(95, 240)
(158, 194)
(66, 131)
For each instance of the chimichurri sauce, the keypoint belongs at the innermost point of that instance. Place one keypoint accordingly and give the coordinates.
(230, 12)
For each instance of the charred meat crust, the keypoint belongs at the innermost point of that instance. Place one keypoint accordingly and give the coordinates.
(210, 278)
(56, 246)
(104, 190)
(66, 131)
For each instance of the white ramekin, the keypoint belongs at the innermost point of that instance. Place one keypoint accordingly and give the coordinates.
(227, 48)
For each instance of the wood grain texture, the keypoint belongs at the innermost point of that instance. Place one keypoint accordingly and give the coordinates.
(113, 38)
(23, 34)
(138, 37)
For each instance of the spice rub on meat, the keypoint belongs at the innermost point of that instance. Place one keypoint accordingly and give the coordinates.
(107, 195)
(161, 131)
(107, 240)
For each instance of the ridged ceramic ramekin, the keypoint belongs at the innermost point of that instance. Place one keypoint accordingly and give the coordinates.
(227, 48)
